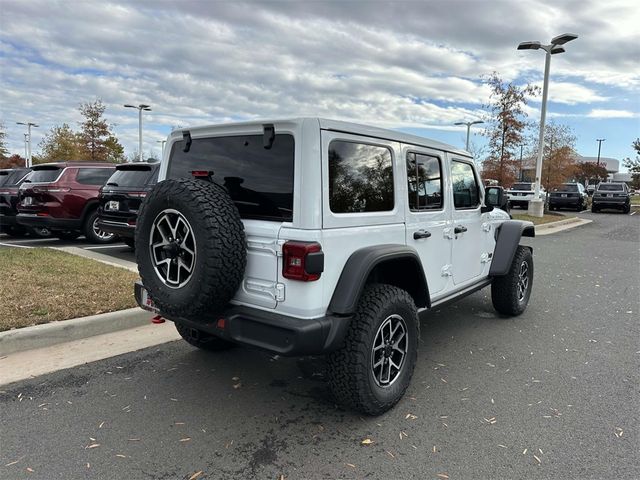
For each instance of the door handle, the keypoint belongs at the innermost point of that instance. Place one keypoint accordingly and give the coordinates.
(459, 229)
(421, 234)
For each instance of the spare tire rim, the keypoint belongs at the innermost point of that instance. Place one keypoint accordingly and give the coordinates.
(523, 281)
(172, 245)
(101, 234)
(389, 350)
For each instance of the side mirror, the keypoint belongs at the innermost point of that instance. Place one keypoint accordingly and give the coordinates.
(494, 197)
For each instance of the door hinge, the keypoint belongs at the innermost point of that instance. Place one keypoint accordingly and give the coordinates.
(446, 271)
(448, 233)
(486, 227)
(274, 290)
(486, 257)
(273, 246)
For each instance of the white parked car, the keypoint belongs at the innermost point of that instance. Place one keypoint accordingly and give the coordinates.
(521, 193)
(311, 236)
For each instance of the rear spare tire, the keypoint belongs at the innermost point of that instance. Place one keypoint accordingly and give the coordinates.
(190, 247)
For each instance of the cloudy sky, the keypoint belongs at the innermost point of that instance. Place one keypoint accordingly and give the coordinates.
(413, 66)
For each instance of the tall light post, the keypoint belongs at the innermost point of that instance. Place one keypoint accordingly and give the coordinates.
(28, 138)
(140, 108)
(468, 124)
(536, 206)
(599, 140)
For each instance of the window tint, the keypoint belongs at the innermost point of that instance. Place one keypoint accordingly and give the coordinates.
(425, 182)
(610, 187)
(259, 180)
(9, 178)
(93, 176)
(360, 178)
(465, 187)
(130, 178)
(44, 175)
(568, 188)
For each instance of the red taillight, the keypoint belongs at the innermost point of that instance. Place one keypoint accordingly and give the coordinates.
(303, 261)
(42, 214)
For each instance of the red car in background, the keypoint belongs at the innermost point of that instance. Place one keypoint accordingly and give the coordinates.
(63, 197)
(10, 180)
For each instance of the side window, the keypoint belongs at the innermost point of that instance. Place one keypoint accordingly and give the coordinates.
(465, 187)
(93, 176)
(424, 182)
(360, 178)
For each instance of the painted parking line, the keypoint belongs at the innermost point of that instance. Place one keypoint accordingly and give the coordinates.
(633, 213)
(14, 246)
(30, 240)
(100, 247)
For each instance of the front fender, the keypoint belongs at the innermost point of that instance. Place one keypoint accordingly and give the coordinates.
(508, 236)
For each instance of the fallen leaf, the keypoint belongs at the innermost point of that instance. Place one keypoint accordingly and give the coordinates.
(120, 455)
(367, 441)
(442, 475)
(186, 439)
(12, 463)
(537, 459)
(524, 452)
(237, 385)
(351, 465)
(100, 426)
(93, 445)
(390, 454)
(199, 472)
(29, 469)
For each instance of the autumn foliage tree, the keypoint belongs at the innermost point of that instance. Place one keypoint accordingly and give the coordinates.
(558, 156)
(12, 161)
(4, 152)
(95, 140)
(633, 164)
(589, 171)
(506, 126)
(60, 144)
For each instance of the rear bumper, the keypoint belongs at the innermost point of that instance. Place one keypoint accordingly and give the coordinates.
(51, 223)
(565, 201)
(121, 229)
(610, 202)
(276, 333)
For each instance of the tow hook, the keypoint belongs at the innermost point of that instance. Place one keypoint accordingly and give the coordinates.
(158, 319)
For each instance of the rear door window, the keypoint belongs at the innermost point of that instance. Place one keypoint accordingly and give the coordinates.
(360, 177)
(93, 176)
(424, 182)
(259, 180)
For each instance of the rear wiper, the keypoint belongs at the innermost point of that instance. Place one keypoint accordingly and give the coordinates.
(114, 184)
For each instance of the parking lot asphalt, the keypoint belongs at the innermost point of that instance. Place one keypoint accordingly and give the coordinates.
(117, 250)
(552, 394)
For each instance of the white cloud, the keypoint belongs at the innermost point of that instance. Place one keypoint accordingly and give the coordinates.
(604, 113)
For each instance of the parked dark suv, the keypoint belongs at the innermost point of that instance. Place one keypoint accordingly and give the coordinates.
(63, 197)
(568, 195)
(10, 180)
(611, 195)
(120, 198)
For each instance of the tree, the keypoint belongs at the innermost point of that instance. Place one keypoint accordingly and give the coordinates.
(583, 172)
(12, 161)
(558, 159)
(4, 152)
(60, 144)
(633, 164)
(506, 124)
(97, 142)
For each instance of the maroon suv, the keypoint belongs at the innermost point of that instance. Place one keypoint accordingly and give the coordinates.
(63, 197)
(10, 180)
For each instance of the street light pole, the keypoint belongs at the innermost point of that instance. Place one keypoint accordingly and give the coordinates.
(140, 108)
(468, 124)
(26, 136)
(28, 153)
(536, 206)
(599, 140)
(521, 170)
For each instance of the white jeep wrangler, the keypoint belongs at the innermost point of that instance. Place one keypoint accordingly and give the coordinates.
(312, 236)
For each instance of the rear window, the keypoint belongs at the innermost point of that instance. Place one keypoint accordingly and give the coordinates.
(130, 178)
(610, 187)
(9, 178)
(567, 188)
(44, 175)
(259, 180)
(522, 186)
(93, 176)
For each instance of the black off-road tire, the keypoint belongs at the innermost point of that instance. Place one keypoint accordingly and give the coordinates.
(202, 340)
(349, 369)
(626, 209)
(15, 231)
(504, 290)
(129, 242)
(220, 247)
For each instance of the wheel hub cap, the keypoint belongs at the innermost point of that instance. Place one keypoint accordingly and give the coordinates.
(389, 350)
(172, 245)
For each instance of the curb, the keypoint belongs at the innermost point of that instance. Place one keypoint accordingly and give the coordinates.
(99, 257)
(554, 227)
(48, 334)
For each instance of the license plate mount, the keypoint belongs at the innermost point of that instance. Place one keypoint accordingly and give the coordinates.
(146, 302)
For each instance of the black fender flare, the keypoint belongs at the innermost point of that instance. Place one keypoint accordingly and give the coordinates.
(399, 265)
(508, 236)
